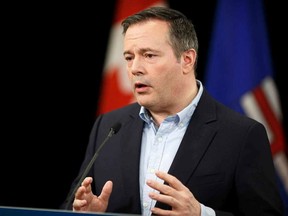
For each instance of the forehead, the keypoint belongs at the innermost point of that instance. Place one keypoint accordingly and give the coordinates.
(148, 24)
(151, 31)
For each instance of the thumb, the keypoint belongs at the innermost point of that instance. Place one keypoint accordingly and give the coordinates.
(106, 191)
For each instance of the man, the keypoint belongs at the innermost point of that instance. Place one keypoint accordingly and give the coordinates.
(178, 151)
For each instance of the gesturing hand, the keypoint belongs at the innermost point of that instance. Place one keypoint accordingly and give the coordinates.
(85, 200)
(174, 194)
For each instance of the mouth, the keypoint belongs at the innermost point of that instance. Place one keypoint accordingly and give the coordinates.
(140, 87)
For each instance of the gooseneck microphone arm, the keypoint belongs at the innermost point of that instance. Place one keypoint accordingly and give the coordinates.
(113, 130)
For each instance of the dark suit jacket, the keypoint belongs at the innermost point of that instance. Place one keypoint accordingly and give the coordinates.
(224, 159)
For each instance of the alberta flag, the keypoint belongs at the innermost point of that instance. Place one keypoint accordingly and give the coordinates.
(240, 73)
(115, 90)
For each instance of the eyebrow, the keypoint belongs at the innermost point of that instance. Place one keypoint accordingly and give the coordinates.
(142, 50)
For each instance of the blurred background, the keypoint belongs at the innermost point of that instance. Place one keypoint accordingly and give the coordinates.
(53, 60)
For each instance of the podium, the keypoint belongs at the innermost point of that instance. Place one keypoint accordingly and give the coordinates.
(19, 211)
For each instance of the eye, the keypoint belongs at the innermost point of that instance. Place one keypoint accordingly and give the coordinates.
(128, 58)
(149, 55)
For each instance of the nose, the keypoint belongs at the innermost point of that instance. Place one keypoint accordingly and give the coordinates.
(136, 67)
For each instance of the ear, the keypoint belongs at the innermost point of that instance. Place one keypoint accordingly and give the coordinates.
(189, 59)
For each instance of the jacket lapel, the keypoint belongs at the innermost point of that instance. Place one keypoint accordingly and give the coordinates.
(196, 139)
(131, 145)
(195, 143)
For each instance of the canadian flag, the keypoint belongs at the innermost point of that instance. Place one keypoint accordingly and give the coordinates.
(115, 90)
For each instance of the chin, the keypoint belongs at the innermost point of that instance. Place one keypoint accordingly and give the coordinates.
(143, 103)
(144, 100)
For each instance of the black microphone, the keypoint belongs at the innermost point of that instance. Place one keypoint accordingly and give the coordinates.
(113, 130)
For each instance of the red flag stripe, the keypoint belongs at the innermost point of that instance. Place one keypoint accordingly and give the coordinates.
(115, 89)
(125, 8)
(277, 143)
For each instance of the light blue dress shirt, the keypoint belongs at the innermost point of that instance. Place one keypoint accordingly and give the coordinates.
(159, 147)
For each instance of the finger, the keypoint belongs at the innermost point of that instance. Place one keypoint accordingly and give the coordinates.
(87, 181)
(162, 188)
(158, 211)
(106, 191)
(170, 200)
(80, 192)
(79, 204)
(84, 188)
(87, 184)
(171, 180)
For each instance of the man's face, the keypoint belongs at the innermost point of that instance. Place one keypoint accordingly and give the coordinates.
(153, 69)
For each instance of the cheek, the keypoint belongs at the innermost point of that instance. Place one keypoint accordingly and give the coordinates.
(129, 74)
(172, 75)
(165, 84)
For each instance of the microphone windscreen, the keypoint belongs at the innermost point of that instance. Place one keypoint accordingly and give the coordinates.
(116, 127)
